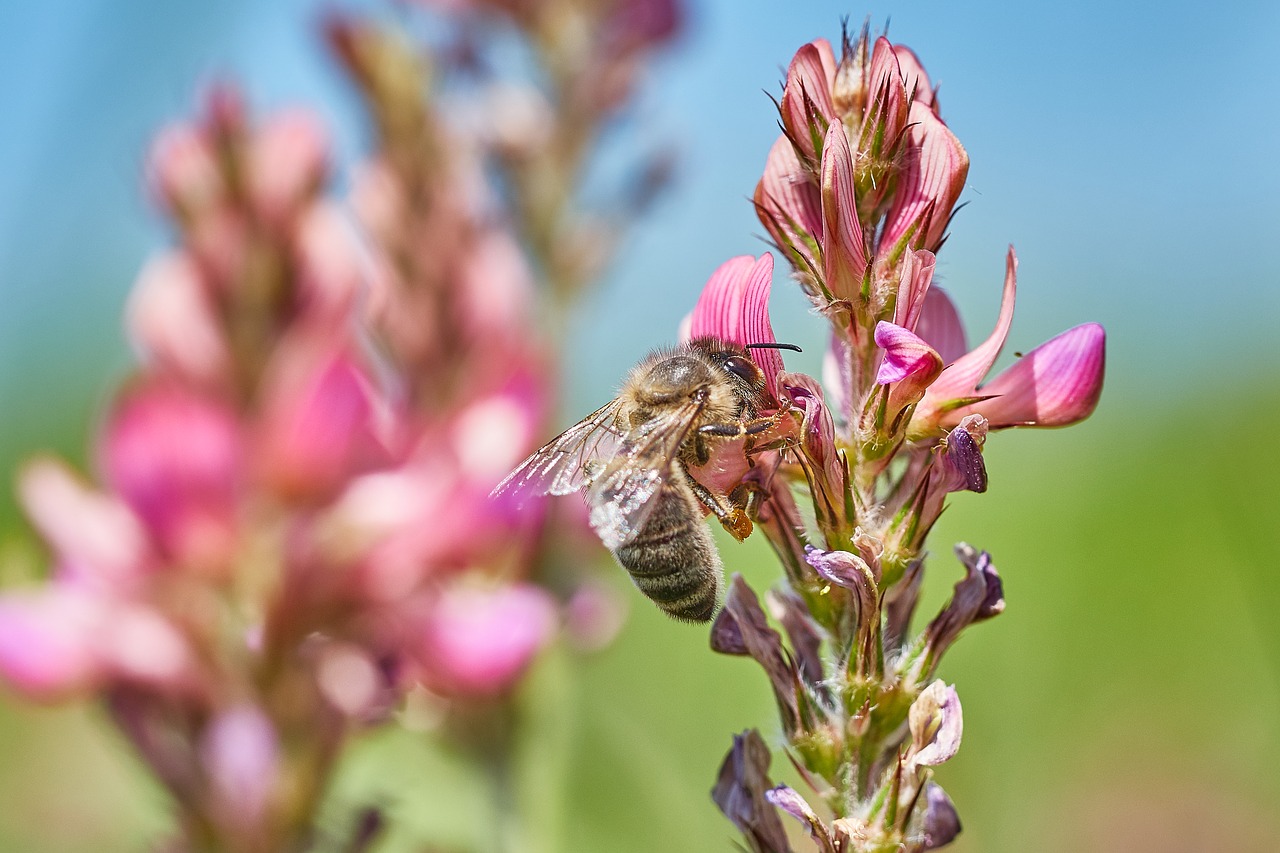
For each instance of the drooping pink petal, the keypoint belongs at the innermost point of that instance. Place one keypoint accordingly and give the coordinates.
(734, 307)
(916, 276)
(789, 205)
(477, 643)
(806, 105)
(933, 174)
(48, 642)
(844, 256)
(939, 324)
(1056, 384)
(176, 457)
(93, 532)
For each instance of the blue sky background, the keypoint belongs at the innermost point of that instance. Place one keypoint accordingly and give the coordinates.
(1131, 153)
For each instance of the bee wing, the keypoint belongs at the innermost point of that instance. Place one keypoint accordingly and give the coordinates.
(622, 496)
(558, 467)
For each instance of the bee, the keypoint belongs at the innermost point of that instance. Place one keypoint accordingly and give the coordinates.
(633, 456)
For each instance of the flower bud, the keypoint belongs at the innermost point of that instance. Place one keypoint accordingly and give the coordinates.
(740, 793)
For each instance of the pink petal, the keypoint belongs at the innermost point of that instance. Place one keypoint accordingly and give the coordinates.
(939, 324)
(887, 107)
(905, 355)
(139, 644)
(176, 458)
(171, 320)
(933, 175)
(844, 256)
(287, 163)
(961, 378)
(318, 429)
(913, 75)
(916, 273)
(330, 270)
(734, 307)
(479, 642)
(806, 98)
(1056, 384)
(87, 529)
(789, 205)
(48, 642)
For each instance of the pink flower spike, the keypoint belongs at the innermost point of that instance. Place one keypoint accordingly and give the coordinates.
(734, 307)
(806, 104)
(48, 642)
(844, 257)
(479, 642)
(1056, 384)
(176, 459)
(318, 427)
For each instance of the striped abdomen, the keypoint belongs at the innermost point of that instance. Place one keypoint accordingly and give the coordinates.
(673, 559)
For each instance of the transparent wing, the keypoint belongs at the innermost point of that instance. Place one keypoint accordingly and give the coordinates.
(559, 466)
(621, 497)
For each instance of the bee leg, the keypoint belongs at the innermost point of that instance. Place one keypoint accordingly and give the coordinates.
(738, 429)
(732, 515)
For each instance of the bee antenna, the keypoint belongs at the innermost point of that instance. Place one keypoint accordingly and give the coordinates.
(791, 347)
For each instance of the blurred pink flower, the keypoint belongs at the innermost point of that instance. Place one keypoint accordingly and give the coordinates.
(477, 642)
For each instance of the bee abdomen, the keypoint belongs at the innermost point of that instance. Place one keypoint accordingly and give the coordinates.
(673, 560)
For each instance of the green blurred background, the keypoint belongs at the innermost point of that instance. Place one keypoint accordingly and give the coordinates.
(1128, 699)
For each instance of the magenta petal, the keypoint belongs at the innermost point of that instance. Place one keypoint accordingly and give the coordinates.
(48, 642)
(905, 354)
(1056, 384)
(175, 457)
(844, 258)
(734, 307)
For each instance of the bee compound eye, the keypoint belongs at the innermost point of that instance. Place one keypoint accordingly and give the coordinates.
(741, 367)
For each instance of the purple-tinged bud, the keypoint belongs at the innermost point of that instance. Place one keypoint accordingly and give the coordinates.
(742, 629)
(851, 572)
(960, 461)
(940, 824)
(793, 804)
(740, 794)
(936, 726)
(977, 596)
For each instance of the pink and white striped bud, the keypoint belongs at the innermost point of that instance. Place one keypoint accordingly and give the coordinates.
(806, 106)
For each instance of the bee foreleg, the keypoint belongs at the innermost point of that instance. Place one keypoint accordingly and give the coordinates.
(738, 429)
(731, 510)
